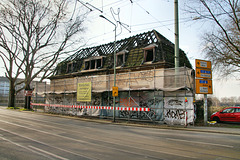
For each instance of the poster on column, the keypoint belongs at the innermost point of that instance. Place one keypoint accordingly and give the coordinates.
(84, 92)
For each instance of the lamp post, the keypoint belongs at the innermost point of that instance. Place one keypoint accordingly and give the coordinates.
(114, 64)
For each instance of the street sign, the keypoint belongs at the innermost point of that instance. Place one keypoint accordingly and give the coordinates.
(203, 86)
(28, 93)
(204, 82)
(203, 64)
(114, 91)
(203, 73)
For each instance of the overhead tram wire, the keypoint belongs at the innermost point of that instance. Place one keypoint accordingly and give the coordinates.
(152, 15)
(95, 16)
(163, 25)
(137, 31)
(119, 4)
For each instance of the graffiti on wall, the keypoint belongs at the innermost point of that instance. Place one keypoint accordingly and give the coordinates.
(143, 99)
(176, 109)
(175, 114)
(170, 109)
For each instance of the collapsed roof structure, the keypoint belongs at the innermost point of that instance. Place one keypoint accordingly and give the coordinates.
(137, 52)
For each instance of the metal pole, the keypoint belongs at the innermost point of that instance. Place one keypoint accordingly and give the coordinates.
(176, 52)
(114, 98)
(205, 109)
(114, 59)
(176, 34)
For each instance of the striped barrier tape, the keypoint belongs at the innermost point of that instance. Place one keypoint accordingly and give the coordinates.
(95, 107)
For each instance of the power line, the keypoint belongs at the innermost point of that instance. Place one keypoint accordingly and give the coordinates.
(128, 2)
(133, 31)
(152, 15)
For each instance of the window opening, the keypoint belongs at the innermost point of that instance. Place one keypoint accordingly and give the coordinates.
(149, 55)
(99, 63)
(86, 65)
(92, 64)
(120, 60)
(69, 67)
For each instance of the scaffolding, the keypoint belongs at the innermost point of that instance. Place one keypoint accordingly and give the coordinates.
(168, 96)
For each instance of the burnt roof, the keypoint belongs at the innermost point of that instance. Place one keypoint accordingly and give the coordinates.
(164, 53)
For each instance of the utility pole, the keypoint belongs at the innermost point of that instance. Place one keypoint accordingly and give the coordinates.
(114, 63)
(176, 50)
(176, 34)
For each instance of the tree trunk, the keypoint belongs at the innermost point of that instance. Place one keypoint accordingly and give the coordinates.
(27, 97)
(11, 95)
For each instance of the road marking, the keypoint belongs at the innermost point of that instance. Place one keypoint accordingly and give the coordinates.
(86, 142)
(46, 152)
(205, 143)
(19, 145)
(45, 144)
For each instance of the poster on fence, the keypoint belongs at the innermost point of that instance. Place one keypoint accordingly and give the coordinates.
(84, 92)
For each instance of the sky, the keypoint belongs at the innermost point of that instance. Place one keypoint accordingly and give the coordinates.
(143, 16)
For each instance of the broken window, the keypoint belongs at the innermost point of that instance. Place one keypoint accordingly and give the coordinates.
(70, 67)
(94, 63)
(120, 58)
(99, 63)
(86, 65)
(149, 53)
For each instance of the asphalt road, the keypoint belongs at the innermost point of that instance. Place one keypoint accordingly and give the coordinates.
(31, 136)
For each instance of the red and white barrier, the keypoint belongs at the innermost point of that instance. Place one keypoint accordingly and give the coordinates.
(95, 107)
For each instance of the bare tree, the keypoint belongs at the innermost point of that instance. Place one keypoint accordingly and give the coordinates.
(9, 56)
(222, 43)
(34, 33)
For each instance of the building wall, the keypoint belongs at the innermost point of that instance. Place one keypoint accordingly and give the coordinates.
(155, 79)
(40, 88)
(4, 86)
(155, 89)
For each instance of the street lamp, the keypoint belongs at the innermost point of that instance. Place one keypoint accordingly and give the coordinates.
(114, 62)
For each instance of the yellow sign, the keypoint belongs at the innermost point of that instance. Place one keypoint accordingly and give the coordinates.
(203, 73)
(84, 92)
(203, 64)
(114, 91)
(203, 86)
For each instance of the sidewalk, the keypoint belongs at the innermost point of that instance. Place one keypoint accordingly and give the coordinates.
(208, 129)
(223, 130)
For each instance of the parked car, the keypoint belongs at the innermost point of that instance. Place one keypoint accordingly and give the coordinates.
(230, 114)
